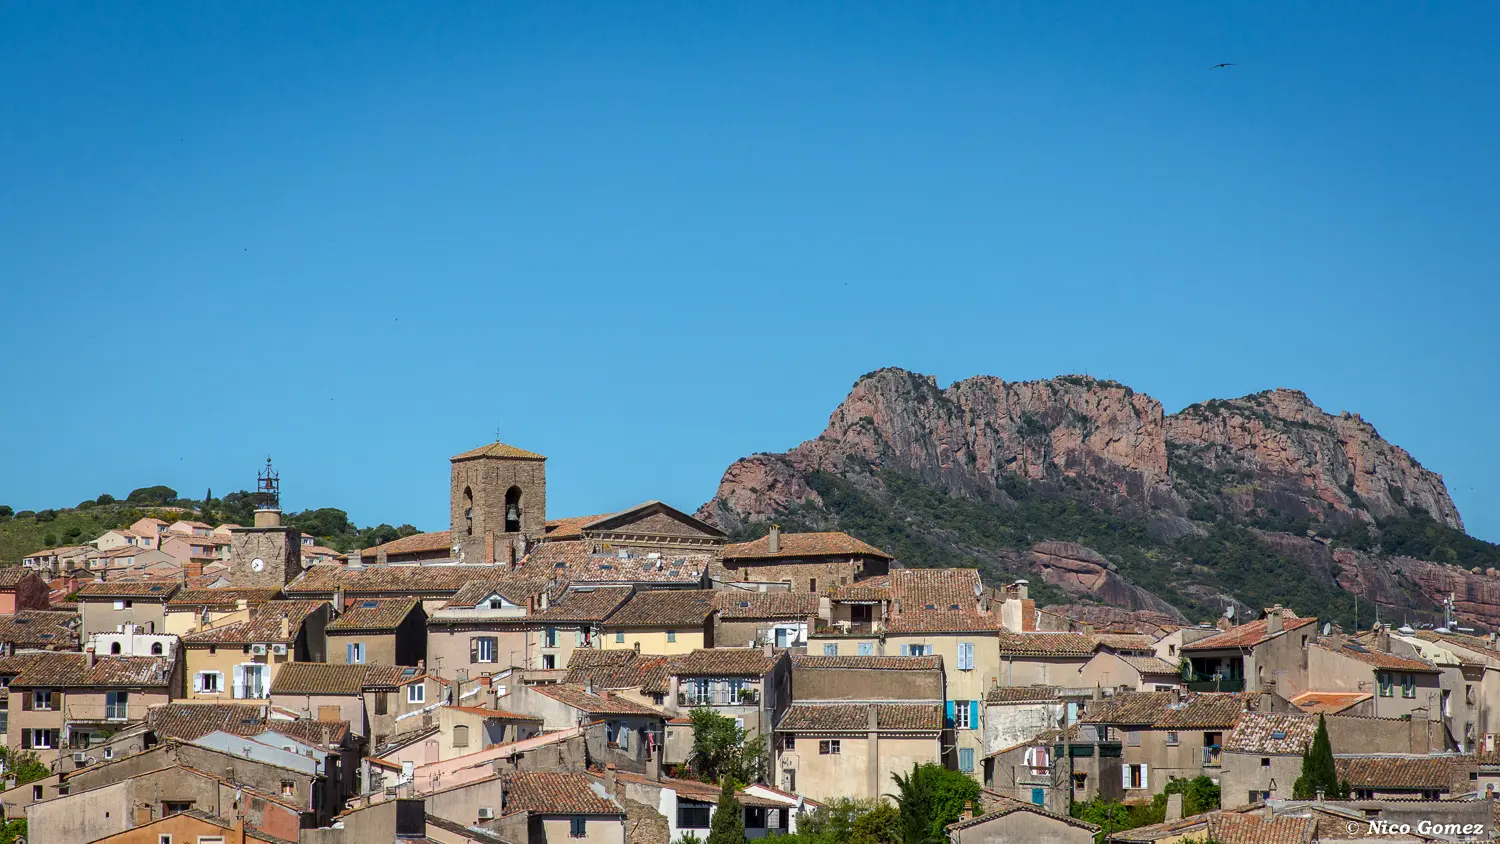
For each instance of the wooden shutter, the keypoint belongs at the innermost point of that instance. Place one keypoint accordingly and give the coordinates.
(473, 649)
(329, 713)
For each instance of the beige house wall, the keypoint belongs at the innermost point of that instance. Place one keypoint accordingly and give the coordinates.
(223, 658)
(380, 648)
(859, 769)
(100, 616)
(1041, 671)
(448, 650)
(558, 829)
(1025, 827)
(649, 641)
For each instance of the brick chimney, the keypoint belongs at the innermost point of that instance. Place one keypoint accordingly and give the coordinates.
(773, 540)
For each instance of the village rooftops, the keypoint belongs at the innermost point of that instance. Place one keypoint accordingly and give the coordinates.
(519, 591)
(1247, 635)
(264, 626)
(726, 662)
(1245, 828)
(870, 663)
(393, 579)
(594, 704)
(708, 793)
(1272, 733)
(192, 721)
(72, 670)
(870, 591)
(664, 608)
(585, 605)
(618, 670)
(374, 614)
(1381, 660)
(795, 545)
(497, 449)
(1118, 641)
(1403, 772)
(576, 561)
(436, 542)
(995, 806)
(11, 576)
(735, 604)
(548, 793)
(226, 598)
(855, 718)
(321, 678)
(1022, 694)
(1046, 644)
(153, 590)
(40, 628)
(942, 620)
(1150, 665)
(1329, 703)
(1172, 710)
(924, 589)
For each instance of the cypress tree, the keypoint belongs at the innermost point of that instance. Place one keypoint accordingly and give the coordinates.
(1318, 770)
(728, 823)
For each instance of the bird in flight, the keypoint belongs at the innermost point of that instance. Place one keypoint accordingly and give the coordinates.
(1222, 64)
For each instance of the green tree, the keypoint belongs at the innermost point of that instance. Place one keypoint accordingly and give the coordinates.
(880, 825)
(6, 512)
(930, 798)
(152, 495)
(105, 498)
(688, 838)
(50, 540)
(728, 823)
(1318, 771)
(1109, 815)
(46, 515)
(24, 765)
(12, 830)
(834, 820)
(721, 749)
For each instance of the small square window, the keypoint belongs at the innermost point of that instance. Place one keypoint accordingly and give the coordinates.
(578, 828)
(828, 747)
(416, 693)
(671, 635)
(620, 638)
(288, 788)
(1265, 761)
(163, 839)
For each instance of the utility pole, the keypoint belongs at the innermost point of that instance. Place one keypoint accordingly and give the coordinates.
(1067, 754)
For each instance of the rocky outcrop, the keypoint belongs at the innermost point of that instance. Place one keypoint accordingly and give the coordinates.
(1410, 589)
(1081, 571)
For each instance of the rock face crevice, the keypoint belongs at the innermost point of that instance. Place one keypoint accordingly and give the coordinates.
(1272, 460)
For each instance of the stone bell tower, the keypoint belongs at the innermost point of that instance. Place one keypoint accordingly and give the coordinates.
(267, 555)
(498, 500)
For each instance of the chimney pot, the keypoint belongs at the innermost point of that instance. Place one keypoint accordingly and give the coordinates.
(773, 540)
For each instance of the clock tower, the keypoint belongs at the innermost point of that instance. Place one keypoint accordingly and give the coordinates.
(267, 555)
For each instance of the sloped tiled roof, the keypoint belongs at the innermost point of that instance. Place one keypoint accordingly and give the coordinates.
(1272, 733)
(726, 662)
(873, 663)
(517, 590)
(996, 806)
(594, 704)
(1245, 828)
(576, 561)
(1167, 711)
(69, 670)
(1150, 665)
(1045, 644)
(582, 605)
(498, 449)
(11, 576)
(572, 528)
(436, 541)
(664, 608)
(830, 544)
(1329, 703)
(548, 793)
(189, 721)
(916, 589)
(618, 670)
(400, 579)
(872, 589)
(1246, 635)
(52, 629)
(808, 717)
(1022, 694)
(225, 597)
(319, 678)
(264, 625)
(1125, 641)
(736, 604)
(945, 620)
(315, 733)
(374, 614)
(1382, 660)
(1400, 772)
(156, 590)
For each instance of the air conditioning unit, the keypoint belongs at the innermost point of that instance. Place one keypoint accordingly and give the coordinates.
(486, 813)
(80, 759)
(278, 649)
(257, 650)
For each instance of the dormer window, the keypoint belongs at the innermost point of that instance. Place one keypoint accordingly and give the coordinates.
(497, 602)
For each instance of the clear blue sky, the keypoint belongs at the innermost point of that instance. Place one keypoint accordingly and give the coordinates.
(647, 239)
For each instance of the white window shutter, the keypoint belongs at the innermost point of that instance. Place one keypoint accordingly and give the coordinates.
(1124, 776)
(906, 650)
(1145, 780)
(198, 682)
(239, 681)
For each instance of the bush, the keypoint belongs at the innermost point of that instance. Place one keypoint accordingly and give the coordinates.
(158, 495)
(106, 498)
(46, 515)
(6, 512)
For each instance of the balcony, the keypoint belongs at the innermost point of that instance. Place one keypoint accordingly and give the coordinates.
(849, 628)
(1213, 757)
(1226, 684)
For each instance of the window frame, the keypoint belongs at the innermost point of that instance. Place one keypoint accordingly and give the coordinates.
(416, 693)
(830, 747)
(578, 826)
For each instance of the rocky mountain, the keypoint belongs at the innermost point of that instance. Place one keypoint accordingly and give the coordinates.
(1090, 487)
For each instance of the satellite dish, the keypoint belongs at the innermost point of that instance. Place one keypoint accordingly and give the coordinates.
(1327, 628)
(1406, 629)
(1229, 612)
(1443, 629)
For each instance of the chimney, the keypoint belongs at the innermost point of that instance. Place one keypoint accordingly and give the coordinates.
(1383, 638)
(192, 569)
(1275, 622)
(88, 653)
(1021, 589)
(338, 600)
(637, 647)
(773, 540)
(286, 627)
(769, 649)
(142, 814)
(1174, 808)
(588, 687)
(873, 723)
(611, 783)
(241, 604)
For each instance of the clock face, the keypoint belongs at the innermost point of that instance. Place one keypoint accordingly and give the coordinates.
(257, 564)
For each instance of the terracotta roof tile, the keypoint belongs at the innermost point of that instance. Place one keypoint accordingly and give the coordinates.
(594, 704)
(1022, 694)
(1246, 635)
(1272, 733)
(319, 678)
(374, 614)
(1401, 772)
(51, 629)
(224, 597)
(1375, 658)
(572, 528)
(517, 590)
(498, 449)
(189, 721)
(576, 562)
(809, 717)
(873, 663)
(1242, 828)
(417, 543)
(547, 793)
(737, 604)
(1125, 641)
(495, 713)
(1328, 703)
(830, 544)
(618, 670)
(915, 589)
(315, 733)
(1045, 644)
(996, 806)
(11, 576)
(444, 580)
(873, 589)
(156, 590)
(726, 662)
(942, 621)
(1168, 710)
(68, 670)
(664, 608)
(264, 625)
(585, 605)
(1152, 665)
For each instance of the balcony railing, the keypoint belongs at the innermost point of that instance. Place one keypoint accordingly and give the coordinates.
(1212, 757)
(1226, 684)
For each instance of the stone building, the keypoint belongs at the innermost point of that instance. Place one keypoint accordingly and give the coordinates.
(751, 619)
(805, 561)
(497, 503)
(1168, 735)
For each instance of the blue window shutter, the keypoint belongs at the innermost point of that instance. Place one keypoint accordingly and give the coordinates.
(949, 721)
(973, 714)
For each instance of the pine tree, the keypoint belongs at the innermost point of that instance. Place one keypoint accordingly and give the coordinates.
(1318, 770)
(728, 823)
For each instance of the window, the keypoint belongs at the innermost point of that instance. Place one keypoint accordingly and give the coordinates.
(251, 681)
(1172, 738)
(210, 839)
(961, 718)
(812, 584)
(966, 759)
(1408, 685)
(288, 788)
(116, 705)
(831, 649)
(692, 814)
(755, 817)
(416, 693)
(549, 637)
(789, 743)
(163, 839)
(916, 650)
(1171, 650)
(965, 656)
(354, 653)
(482, 649)
(828, 747)
(1469, 695)
(382, 706)
(41, 699)
(549, 661)
(123, 605)
(461, 735)
(4, 720)
(1265, 761)
(1386, 685)
(1039, 796)
(577, 827)
(36, 792)
(156, 649)
(866, 648)
(671, 635)
(1135, 776)
(175, 807)
(115, 649)
(620, 638)
(208, 682)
